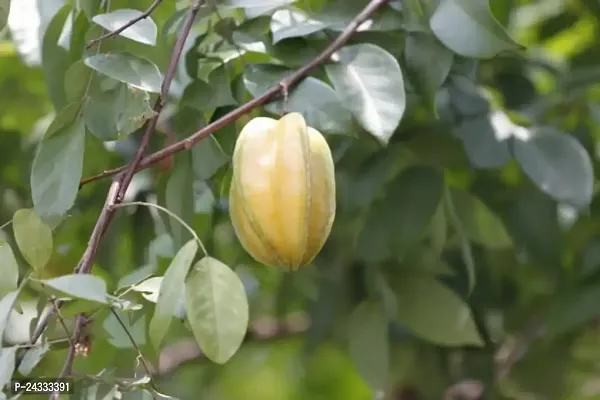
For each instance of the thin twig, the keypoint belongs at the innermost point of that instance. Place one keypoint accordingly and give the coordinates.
(134, 21)
(136, 347)
(118, 189)
(66, 370)
(232, 116)
(61, 320)
(171, 214)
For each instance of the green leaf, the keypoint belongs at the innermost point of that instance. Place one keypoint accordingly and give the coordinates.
(9, 269)
(484, 138)
(479, 36)
(571, 310)
(368, 344)
(208, 96)
(127, 68)
(116, 110)
(77, 80)
(7, 364)
(55, 59)
(133, 109)
(314, 99)
(118, 333)
(32, 358)
(6, 305)
(58, 164)
(267, 4)
(557, 163)
(217, 309)
(179, 193)
(4, 9)
(143, 31)
(434, 312)
(81, 286)
(396, 222)
(481, 225)
(33, 237)
(369, 81)
(292, 22)
(428, 62)
(207, 158)
(171, 289)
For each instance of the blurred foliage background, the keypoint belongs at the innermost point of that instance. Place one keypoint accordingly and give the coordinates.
(464, 259)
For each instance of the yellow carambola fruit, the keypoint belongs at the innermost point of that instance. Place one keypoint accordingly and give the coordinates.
(282, 195)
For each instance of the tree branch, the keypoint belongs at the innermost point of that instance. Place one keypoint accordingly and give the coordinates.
(118, 189)
(232, 116)
(134, 21)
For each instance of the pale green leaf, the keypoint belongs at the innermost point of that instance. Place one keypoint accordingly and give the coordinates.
(171, 288)
(4, 10)
(291, 22)
(369, 81)
(81, 286)
(58, 164)
(217, 309)
(6, 305)
(9, 269)
(127, 68)
(480, 35)
(143, 31)
(33, 237)
(7, 364)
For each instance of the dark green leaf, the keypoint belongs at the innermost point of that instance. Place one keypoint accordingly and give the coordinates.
(557, 163)
(217, 309)
(485, 139)
(33, 237)
(480, 224)
(208, 96)
(434, 312)
(428, 61)
(143, 31)
(207, 158)
(171, 290)
(369, 81)
(396, 222)
(572, 310)
(368, 344)
(180, 197)
(127, 68)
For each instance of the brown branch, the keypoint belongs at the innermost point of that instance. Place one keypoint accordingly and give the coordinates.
(118, 189)
(134, 21)
(232, 116)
